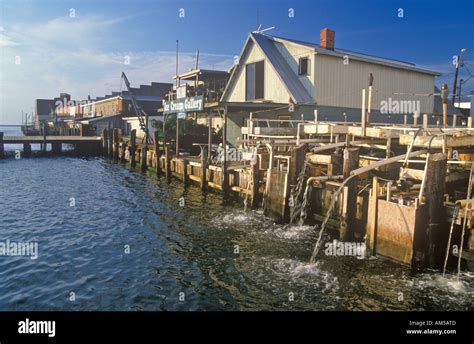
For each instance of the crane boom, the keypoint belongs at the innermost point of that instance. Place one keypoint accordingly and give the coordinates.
(142, 115)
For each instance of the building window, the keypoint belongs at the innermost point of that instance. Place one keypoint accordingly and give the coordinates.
(254, 81)
(303, 67)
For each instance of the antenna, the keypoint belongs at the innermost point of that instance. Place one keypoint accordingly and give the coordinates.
(261, 31)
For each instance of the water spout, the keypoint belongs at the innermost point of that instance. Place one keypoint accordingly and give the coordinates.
(247, 193)
(298, 194)
(328, 214)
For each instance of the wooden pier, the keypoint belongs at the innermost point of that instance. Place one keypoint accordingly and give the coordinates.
(393, 188)
(82, 144)
(404, 181)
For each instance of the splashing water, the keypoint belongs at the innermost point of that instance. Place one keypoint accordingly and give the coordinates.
(247, 192)
(304, 204)
(291, 232)
(298, 194)
(328, 214)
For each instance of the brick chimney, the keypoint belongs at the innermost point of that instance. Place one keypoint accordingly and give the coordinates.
(327, 38)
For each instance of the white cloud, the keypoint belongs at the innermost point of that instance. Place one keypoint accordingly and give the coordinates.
(78, 65)
(6, 41)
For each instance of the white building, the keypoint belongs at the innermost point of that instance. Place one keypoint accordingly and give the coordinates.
(275, 71)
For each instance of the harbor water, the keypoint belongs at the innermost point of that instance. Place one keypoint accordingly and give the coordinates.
(113, 238)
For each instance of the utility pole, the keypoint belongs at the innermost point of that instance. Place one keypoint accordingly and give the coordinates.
(177, 45)
(460, 91)
(458, 62)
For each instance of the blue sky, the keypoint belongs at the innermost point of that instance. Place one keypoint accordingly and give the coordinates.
(85, 54)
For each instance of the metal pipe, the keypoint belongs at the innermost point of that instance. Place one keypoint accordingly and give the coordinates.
(468, 199)
(453, 220)
(322, 178)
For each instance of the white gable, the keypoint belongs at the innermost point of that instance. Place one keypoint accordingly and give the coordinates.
(274, 90)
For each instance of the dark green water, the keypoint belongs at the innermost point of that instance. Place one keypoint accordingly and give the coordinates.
(175, 249)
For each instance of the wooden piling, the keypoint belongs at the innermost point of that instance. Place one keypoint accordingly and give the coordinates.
(43, 148)
(363, 119)
(177, 136)
(372, 218)
(56, 147)
(116, 143)
(425, 120)
(444, 97)
(209, 137)
(156, 143)
(369, 105)
(225, 175)
(123, 149)
(133, 139)
(110, 145)
(167, 164)
(185, 172)
(203, 168)
(388, 151)
(143, 162)
(350, 162)
(105, 142)
(436, 211)
(26, 149)
(2, 147)
(255, 183)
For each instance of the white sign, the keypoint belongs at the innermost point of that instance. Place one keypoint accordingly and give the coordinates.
(181, 91)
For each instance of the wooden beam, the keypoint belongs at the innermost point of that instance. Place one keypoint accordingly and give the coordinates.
(451, 141)
(385, 162)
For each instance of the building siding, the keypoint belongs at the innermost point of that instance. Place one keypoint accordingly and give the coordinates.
(340, 85)
(292, 53)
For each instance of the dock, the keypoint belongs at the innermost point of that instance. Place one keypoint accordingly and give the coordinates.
(82, 144)
(401, 189)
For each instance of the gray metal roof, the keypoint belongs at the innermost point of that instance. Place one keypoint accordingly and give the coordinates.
(289, 78)
(355, 55)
